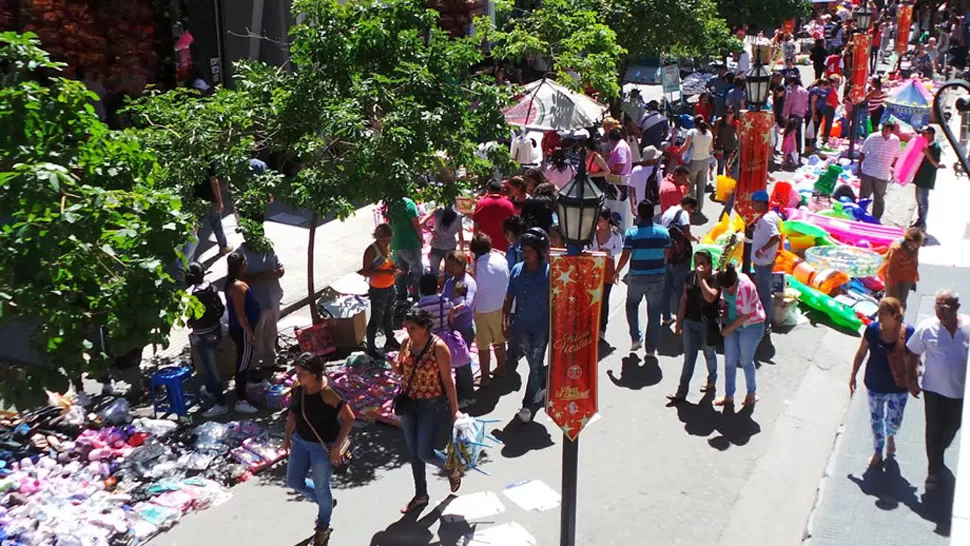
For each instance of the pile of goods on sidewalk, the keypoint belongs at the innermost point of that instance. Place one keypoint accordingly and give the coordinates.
(92, 475)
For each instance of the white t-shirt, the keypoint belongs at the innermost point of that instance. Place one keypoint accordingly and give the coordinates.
(765, 228)
(638, 180)
(944, 356)
(613, 247)
(492, 277)
(668, 217)
(701, 143)
(880, 153)
(526, 150)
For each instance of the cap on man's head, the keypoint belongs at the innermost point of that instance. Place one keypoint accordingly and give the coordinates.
(760, 196)
(653, 105)
(649, 153)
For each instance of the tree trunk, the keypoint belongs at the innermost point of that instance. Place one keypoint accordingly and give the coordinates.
(314, 314)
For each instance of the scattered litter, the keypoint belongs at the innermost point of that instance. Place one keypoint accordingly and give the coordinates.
(533, 495)
(473, 507)
(507, 534)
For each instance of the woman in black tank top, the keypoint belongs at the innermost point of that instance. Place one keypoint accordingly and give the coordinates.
(312, 432)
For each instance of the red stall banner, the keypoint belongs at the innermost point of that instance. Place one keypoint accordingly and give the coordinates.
(756, 129)
(575, 299)
(859, 71)
(904, 19)
(788, 27)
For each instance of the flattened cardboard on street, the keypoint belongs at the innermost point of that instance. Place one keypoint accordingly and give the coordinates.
(508, 534)
(472, 507)
(533, 495)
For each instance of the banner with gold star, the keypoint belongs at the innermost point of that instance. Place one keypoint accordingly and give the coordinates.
(904, 19)
(859, 75)
(755, 142)
(576, 296)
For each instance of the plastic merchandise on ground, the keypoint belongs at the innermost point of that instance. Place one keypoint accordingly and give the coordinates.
(855, 262)
(342, 306)
(724, 187)
(839, 314)
(849, 232)
(117, 412)
(785, 309)
(734, 224)
(825, 280)
(155, 427)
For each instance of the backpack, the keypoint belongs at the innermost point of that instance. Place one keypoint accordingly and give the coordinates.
(209, 298)
(681, 249)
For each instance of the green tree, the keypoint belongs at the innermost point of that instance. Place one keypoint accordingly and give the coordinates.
(86, 232)
(658, 28)
(381, 98)
(573, 37)
(765, 15)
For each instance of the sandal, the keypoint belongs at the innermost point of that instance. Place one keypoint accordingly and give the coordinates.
(724, 402)
(674, 399)
(454, 480)
(321, 537)
(750, 400)
(414, 504)
(709, 387)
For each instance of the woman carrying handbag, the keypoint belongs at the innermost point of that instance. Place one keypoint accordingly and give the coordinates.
(425, 402)
(322, 422)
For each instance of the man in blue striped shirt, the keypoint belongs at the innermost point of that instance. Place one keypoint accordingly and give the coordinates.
(645, 247)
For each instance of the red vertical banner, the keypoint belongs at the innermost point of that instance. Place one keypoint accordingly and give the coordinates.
(576, 296)
(756, 129)
(859, 74)
(904, 19)
(788, 27)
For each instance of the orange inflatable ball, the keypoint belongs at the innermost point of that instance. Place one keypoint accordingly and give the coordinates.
(837, 129)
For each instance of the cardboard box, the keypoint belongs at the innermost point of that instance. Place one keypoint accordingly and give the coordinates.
(348, 333)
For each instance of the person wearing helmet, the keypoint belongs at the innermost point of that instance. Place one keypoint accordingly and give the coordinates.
(764, 246)
(528, 290)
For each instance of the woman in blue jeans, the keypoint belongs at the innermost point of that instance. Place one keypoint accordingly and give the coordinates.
(698, 310)
(425, 365)
(321, 422)
(207, 335)
(744, 320)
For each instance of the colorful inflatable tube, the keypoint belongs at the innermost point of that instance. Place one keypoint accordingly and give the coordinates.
(839, 314)
(849, 232)
(909, 161)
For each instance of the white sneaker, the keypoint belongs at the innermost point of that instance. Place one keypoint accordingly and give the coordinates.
(245, 407)
(217, 410)
(540, 397)
(525, 415)
(637, 345)
(651, 352)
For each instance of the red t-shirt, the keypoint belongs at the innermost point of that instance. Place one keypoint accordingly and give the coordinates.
(492, 209)
(670, 193)
(833, 65)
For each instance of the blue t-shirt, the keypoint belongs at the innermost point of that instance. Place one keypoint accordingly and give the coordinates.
(646, 245)
(250, 306)
(531, 294)
(513, 255)
(879, 378)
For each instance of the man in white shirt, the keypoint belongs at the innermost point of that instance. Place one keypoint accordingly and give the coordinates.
(764, 248)
(492, 277)
(641, 174)
(876, 159)
(943, 342)
(525, 149)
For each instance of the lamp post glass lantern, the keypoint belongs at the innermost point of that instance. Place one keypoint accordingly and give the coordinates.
(579, 206)
(863, 18)
(757, 83)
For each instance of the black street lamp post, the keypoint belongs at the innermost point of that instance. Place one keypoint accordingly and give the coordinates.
(579, 206)
(758, 83)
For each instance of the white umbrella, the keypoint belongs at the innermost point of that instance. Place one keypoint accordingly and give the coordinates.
(548, 106)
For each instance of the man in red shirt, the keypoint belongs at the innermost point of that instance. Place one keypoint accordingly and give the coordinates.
(833, 64)
(673, 188)
(492, 209)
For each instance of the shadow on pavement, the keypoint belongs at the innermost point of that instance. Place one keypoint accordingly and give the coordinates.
(487, 397)
(890, 489)
(635, 376)
(735, 428)
(699, 419)
(670, 344)
(412, 529)
(765, 352)
(520, 438)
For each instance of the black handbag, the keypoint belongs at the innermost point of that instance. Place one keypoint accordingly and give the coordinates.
(403, 403)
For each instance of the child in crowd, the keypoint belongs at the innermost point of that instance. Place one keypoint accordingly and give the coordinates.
(789, 148)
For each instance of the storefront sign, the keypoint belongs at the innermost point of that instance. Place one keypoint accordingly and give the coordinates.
(859, 74)
(756, 129)
(904, 18)
(576, 295)
(670, 74)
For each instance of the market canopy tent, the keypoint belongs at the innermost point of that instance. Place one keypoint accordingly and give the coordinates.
(909, 104)
(548, 106)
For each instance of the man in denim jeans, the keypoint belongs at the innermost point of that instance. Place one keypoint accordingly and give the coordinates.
(764, 249)
(529, 291)
(645, 247)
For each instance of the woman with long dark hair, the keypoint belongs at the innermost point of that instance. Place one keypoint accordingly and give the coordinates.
(380, 270)
(517, 193)
(700, 142)
(316, 433)
(559, 171)
(607, 238)
(744, 326)
(533, 178)
(447, 235)
(207, 335)
(425, 366)
(243, 315)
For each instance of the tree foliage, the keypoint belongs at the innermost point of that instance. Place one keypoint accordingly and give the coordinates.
(573, 37)
(85, 230)
(659, 28)
(762, 14)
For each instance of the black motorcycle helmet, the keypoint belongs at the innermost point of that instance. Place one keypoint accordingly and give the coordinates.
(538, 239)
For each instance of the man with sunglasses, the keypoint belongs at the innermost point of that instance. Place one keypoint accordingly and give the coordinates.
(943, 342)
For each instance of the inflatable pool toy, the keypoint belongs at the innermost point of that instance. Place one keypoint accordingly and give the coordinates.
(725, 225)
(826, 280)
(724, 187)
(856, 262)
(800, 243)
(840, 315)
(849, 232)
(713, 249)
(797, 228)
(909, 161)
